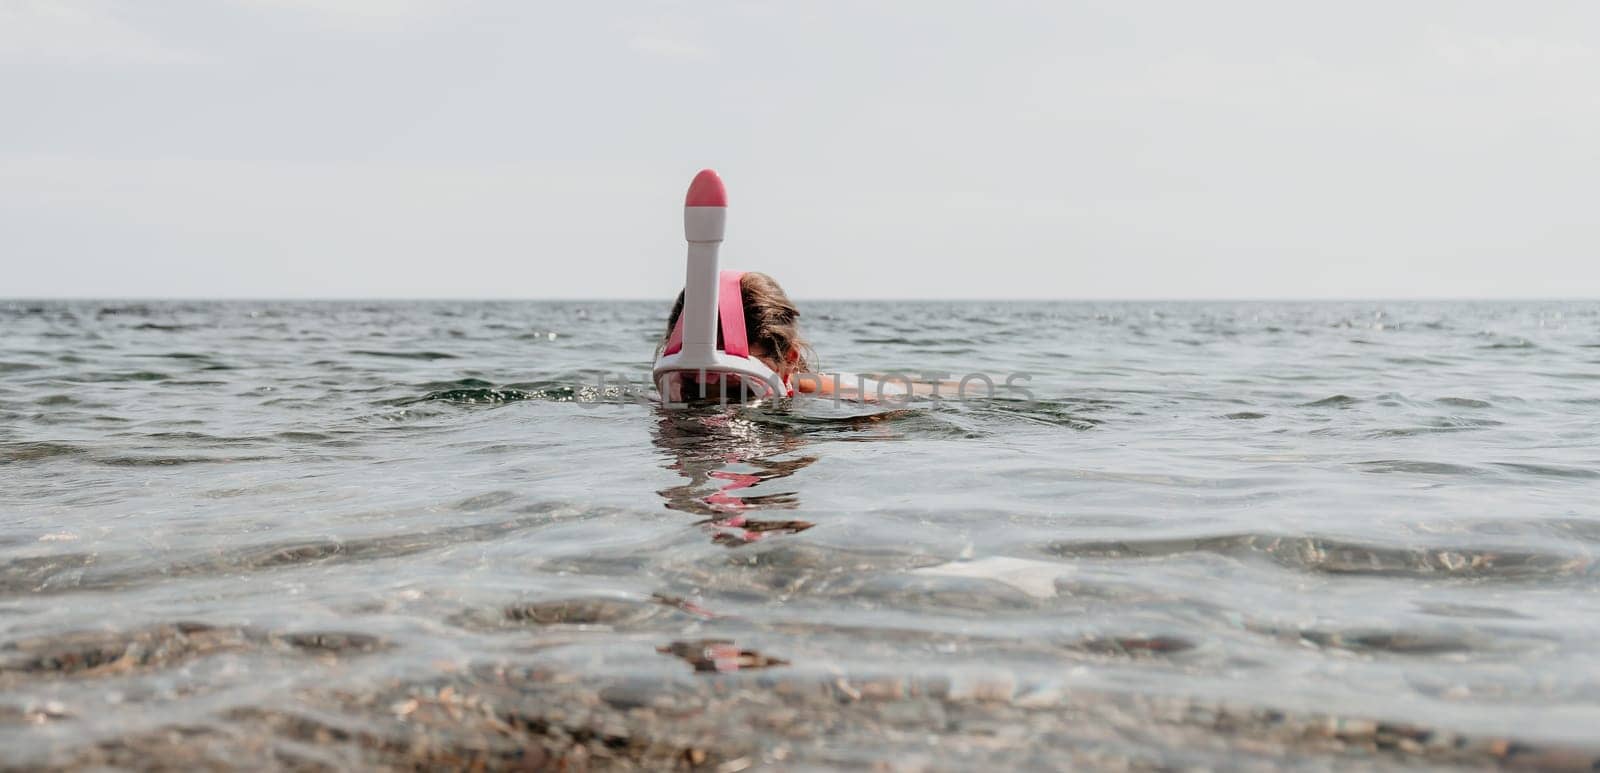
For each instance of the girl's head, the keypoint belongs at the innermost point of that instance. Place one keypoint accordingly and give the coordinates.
(771, 323)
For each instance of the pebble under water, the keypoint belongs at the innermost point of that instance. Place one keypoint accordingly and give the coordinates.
(347, 534)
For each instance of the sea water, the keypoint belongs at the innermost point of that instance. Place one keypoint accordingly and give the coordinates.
(337, 534)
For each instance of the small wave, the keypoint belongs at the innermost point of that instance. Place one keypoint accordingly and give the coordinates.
(610, 612)
(1567, 375)
(174, 461)
(1550, 470)
(28, 452)
(301, 436)
(1417, 361)
(460, 383)
(1419, 467)
(1055, 413)
(137, 375)
(898, 423)
(32, 573)
(1473, 611)
(74, 572)
(136, 309)
(486, 501)
(1134, 646)
(903, 341)
(425, 355)
(591, 611)
(1435, 426)
(473, 396)
(192, 438)
(90, 654)
(162, 328)
(1336, 401)
(1329, 556)
(1464, 402)
(1514, 344)
(1390, 642)
(480, 392)
(176, 356)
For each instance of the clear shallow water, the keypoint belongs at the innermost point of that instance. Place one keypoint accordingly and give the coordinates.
(399, 534)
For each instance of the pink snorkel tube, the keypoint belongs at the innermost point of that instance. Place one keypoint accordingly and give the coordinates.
(695, 364)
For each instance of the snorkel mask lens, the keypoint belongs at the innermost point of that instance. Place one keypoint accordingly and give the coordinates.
(713, 387)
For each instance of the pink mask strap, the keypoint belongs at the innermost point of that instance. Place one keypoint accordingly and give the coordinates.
(731, 300)
(675, 341)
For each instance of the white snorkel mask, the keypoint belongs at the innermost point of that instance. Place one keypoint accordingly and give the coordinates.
(697, 363)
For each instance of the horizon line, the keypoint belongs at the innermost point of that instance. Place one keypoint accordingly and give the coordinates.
(927, 299)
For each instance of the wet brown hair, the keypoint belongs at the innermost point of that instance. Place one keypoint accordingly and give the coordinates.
(771, 322)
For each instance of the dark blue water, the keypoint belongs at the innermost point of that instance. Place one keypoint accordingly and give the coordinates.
(325, 535)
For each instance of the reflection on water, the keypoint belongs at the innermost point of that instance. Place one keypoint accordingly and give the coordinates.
(725, 456)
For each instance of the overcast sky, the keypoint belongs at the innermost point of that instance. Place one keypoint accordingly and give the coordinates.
(929, 149)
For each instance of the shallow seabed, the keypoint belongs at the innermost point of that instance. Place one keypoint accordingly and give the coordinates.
(327, 535)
